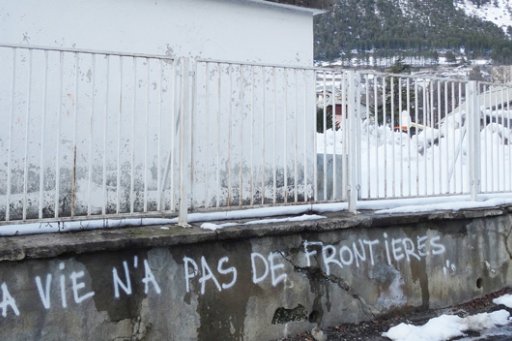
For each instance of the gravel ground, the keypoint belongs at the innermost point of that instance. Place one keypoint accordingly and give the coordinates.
(372, 330)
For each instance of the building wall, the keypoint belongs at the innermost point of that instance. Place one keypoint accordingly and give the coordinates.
(213, 29)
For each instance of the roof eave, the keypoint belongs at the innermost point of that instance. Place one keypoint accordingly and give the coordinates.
(313, 11)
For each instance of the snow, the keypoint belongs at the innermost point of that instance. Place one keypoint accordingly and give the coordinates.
(497, 11)
(446, 327)
(447, 206)
(505, 300)
(304, 217)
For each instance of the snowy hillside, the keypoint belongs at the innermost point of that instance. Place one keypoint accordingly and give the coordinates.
(497, 11)
(469, 29)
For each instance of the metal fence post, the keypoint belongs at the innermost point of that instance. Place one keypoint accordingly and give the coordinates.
(185, 161)
(473, 117)
(354, 137)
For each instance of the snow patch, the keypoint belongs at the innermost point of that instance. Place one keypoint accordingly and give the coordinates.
(498, 11)
(446, 327)
(505, 300)
(304, 217)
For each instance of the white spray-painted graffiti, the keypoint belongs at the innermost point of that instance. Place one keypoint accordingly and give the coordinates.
(63, 288)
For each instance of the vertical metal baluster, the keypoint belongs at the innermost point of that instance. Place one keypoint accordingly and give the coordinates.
(457, 123)
(304, 135)
(469, 102)
(118, 175)
(446, 134)
(400, 108)
(230, 132)
(392, 124)
(274, 136)
(376, 114)
(9, 147)
(91, 136)
(494, 117)
(432, 125)
(296, 138)
(502, 145)
(348, 138)
(241, 99)
(425, 124)
(485, 184)
(44, 110)
(105, 130)
(324, 123)
(251, 167)
(263, 112)
(368, 141)
(416, 113)
(439, 154)
(408, 106)
(75, 127)
(509, 142)
(159, 137)
(384, 126)
(454, 103)
(193, 98)
(146, 142)
(27, 131)
(174, 132)
(132, 160)
(57, 161)
(208, 118)
(333, 126)
(490, 150)
(314, 105)
(457, 142)
(285, 137)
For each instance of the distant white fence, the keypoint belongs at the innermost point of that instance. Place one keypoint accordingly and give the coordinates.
(104, 134)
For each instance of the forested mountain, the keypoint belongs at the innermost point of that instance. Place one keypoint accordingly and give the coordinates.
(414, 27)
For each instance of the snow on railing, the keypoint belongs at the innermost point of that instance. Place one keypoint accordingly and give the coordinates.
(105, 135)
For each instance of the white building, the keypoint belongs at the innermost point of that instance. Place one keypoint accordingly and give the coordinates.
(237, 30)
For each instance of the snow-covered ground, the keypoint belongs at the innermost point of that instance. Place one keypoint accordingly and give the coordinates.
(497, 11)
(446, 327)
(435, 161)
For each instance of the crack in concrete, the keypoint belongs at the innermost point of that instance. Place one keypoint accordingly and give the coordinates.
(506, 237)
(139, 331)
(507, 248)
(316, 273)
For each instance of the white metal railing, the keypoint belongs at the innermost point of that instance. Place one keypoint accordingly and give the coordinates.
(416, 136)
(105, 134)
(87, 133)
(91, 133)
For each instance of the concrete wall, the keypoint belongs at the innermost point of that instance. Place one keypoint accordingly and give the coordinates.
(254, 284)
(219, 29)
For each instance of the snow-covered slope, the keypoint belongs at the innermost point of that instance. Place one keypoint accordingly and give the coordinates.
(497, 11)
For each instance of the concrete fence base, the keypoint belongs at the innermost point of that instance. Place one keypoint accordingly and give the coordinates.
(259, 283)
